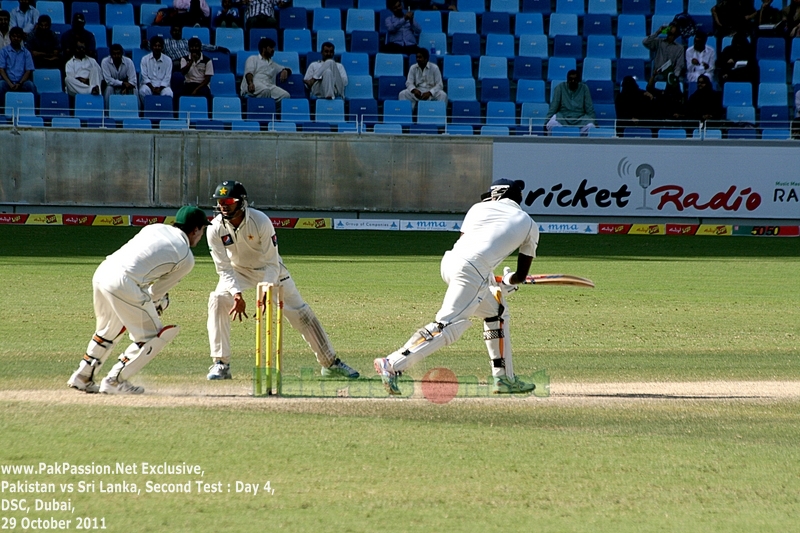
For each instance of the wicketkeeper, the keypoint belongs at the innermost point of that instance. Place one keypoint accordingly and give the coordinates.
(492, 230)
(130, 292)
(244, 247)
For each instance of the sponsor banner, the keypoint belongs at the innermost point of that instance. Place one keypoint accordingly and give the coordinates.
(145, 220)
(283, 222)
(767, 231)
(716, 230)
(44, 220)
(569, 227)
(613, 229)
(78, 220)
(302, 223)
(682, 229)
(365, 223)
(647, 180)
(648, 229)
(112, 220)
(12, 218)
(431, 225)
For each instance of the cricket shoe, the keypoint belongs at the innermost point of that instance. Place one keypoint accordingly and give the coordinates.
(340, 370)
(81, 383)
(112, 386)
(503, 385)
(219, 370)
(388, 376)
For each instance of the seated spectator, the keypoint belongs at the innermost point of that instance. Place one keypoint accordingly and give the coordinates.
(791, 17)
(634, 106)
(701, 59)
(260, 72)
(197, 70)
(82, 73)
(326, 78)
(705, 103)
(261, 13)
(156, 70)
(5, 26)
(119, 73)
(670, 56)
(768, 20)
(177, 47)
(24, 16)
(16, 67)
(76, 32)
(44, 45)
(424, 81)
(737, 61)
(733, 16)
(571, 105)
(402, 31)
(444, 5)
(192, 12)
(228, 15)
(668, 103)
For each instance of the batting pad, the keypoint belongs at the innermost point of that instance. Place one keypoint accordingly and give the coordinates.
(135, 358)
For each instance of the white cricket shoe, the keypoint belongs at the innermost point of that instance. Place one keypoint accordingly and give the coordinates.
(340, 369)
(112, 386)
(81, 383)
(219, 370)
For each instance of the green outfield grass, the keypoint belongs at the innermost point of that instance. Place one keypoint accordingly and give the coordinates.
(664, 309)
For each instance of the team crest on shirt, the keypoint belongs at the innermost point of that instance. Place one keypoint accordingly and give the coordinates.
(227, 240)
(275, 241)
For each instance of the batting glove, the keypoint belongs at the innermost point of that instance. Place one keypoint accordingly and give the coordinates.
(506, 284)
(162, 304)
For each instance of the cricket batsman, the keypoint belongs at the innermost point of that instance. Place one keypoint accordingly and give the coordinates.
(130, 292)
(244, 248)
(492, 230)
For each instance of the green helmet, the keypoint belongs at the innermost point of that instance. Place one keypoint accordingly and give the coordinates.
(230, 189)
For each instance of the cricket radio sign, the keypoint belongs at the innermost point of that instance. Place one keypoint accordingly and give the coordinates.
(687, 179)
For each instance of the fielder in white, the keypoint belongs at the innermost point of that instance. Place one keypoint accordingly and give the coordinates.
(130, 292)
(492, 230)
(244, 248)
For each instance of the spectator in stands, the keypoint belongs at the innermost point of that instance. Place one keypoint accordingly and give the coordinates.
(796, 121)
(634, 106)
(44, 44)
(260, 72)
(24, 16)
(76, 32)
(326, 78)
(16, 67)
(668, 103)
(733, 16)
(701, 59)
(705, 103)
(737, 61)
(156, 70)
(424, 81)
(261, 13)
(119, 73)
(228, 15)
(177, 47)
(670, 56)
(571, 105)
(791, 15)
(768, 20)
(5, 26)
(82, 73)
(197, 70)
(402, 31)
(192, 12)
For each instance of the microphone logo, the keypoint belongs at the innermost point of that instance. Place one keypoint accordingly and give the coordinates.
(645, 174)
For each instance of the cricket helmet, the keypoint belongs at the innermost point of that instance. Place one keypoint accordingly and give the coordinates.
(230, 189)
(504, 188)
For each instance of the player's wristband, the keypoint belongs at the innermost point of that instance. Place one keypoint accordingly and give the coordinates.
(507, 278)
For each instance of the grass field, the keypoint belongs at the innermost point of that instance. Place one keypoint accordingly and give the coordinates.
(666, 310)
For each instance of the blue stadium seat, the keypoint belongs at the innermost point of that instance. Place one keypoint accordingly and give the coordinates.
(531, 45)
(466, 44)
(528, 23)
(30, 121)
(458, 129)
(397, 112)
(771, 48)
(500, 45)
(282, 127)
(295, 110)
(602, 7)
(796, 74)
(429, 21)
(773, 117)
(65, 122)
(230, 38)
(53, 105)
(527, 68)
(147, 14)
(375, 5)
(632, 48)
(358, 86)
(605, 114)
(18, 103)
(260, 109)
(223, 85)
(568, 46)
(495, 131)
(292, 18)
(362, 20)
(461, 22)
(596, 25)
(220, 60)
(602, 91)
(157, 107)
(256, 34)
(601, 46)
(244, 125)
(457, 67)
(336, 37)
(101, 35)
(119, 15)
(657, 20)
(289, 59)
(355, 63)
(495, 90)
(504, 6)
(631, 25)
(737, 94)
(434, 41)
(432, 112)
(331, 111)
(388, 129)
(152, 31)
(596, 68)
(671, 133)
(537, 6)
(530, 91)
(89, 106)
(563, 24)
(122, 106)
(742, 133)
(89, 10)
(602, 133)
(558, 67)
(501, 114)
(566, 131)
(491, 67)
(794, 51)
(307, 4)
(776, 134)
(209, 125)
(226, 108)
(55, 9)
(343, 5)
(297, 41)
(741, 114)
(388, 65)
(459, 89)
(326, 19)
(574, 7)
(495, 23)
(637, 133)
(192, 108)
(466, 112)
(668, 7)
(772, 94)
(364, 41)
(700, 7)
(136, 124)
(772, 71)
(707, 134)
(204, 34)
(630, 67)
(294, 86)
(364, 109)
(475, 6)
(532, 114)
(389, 87)
(129, 36)
(47, 80)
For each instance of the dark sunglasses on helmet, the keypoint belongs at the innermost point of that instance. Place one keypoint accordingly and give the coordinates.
(227, 201)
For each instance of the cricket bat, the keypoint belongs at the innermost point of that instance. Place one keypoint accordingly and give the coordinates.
(554, 279)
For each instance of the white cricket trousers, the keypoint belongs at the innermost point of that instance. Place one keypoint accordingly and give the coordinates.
(119, 302)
